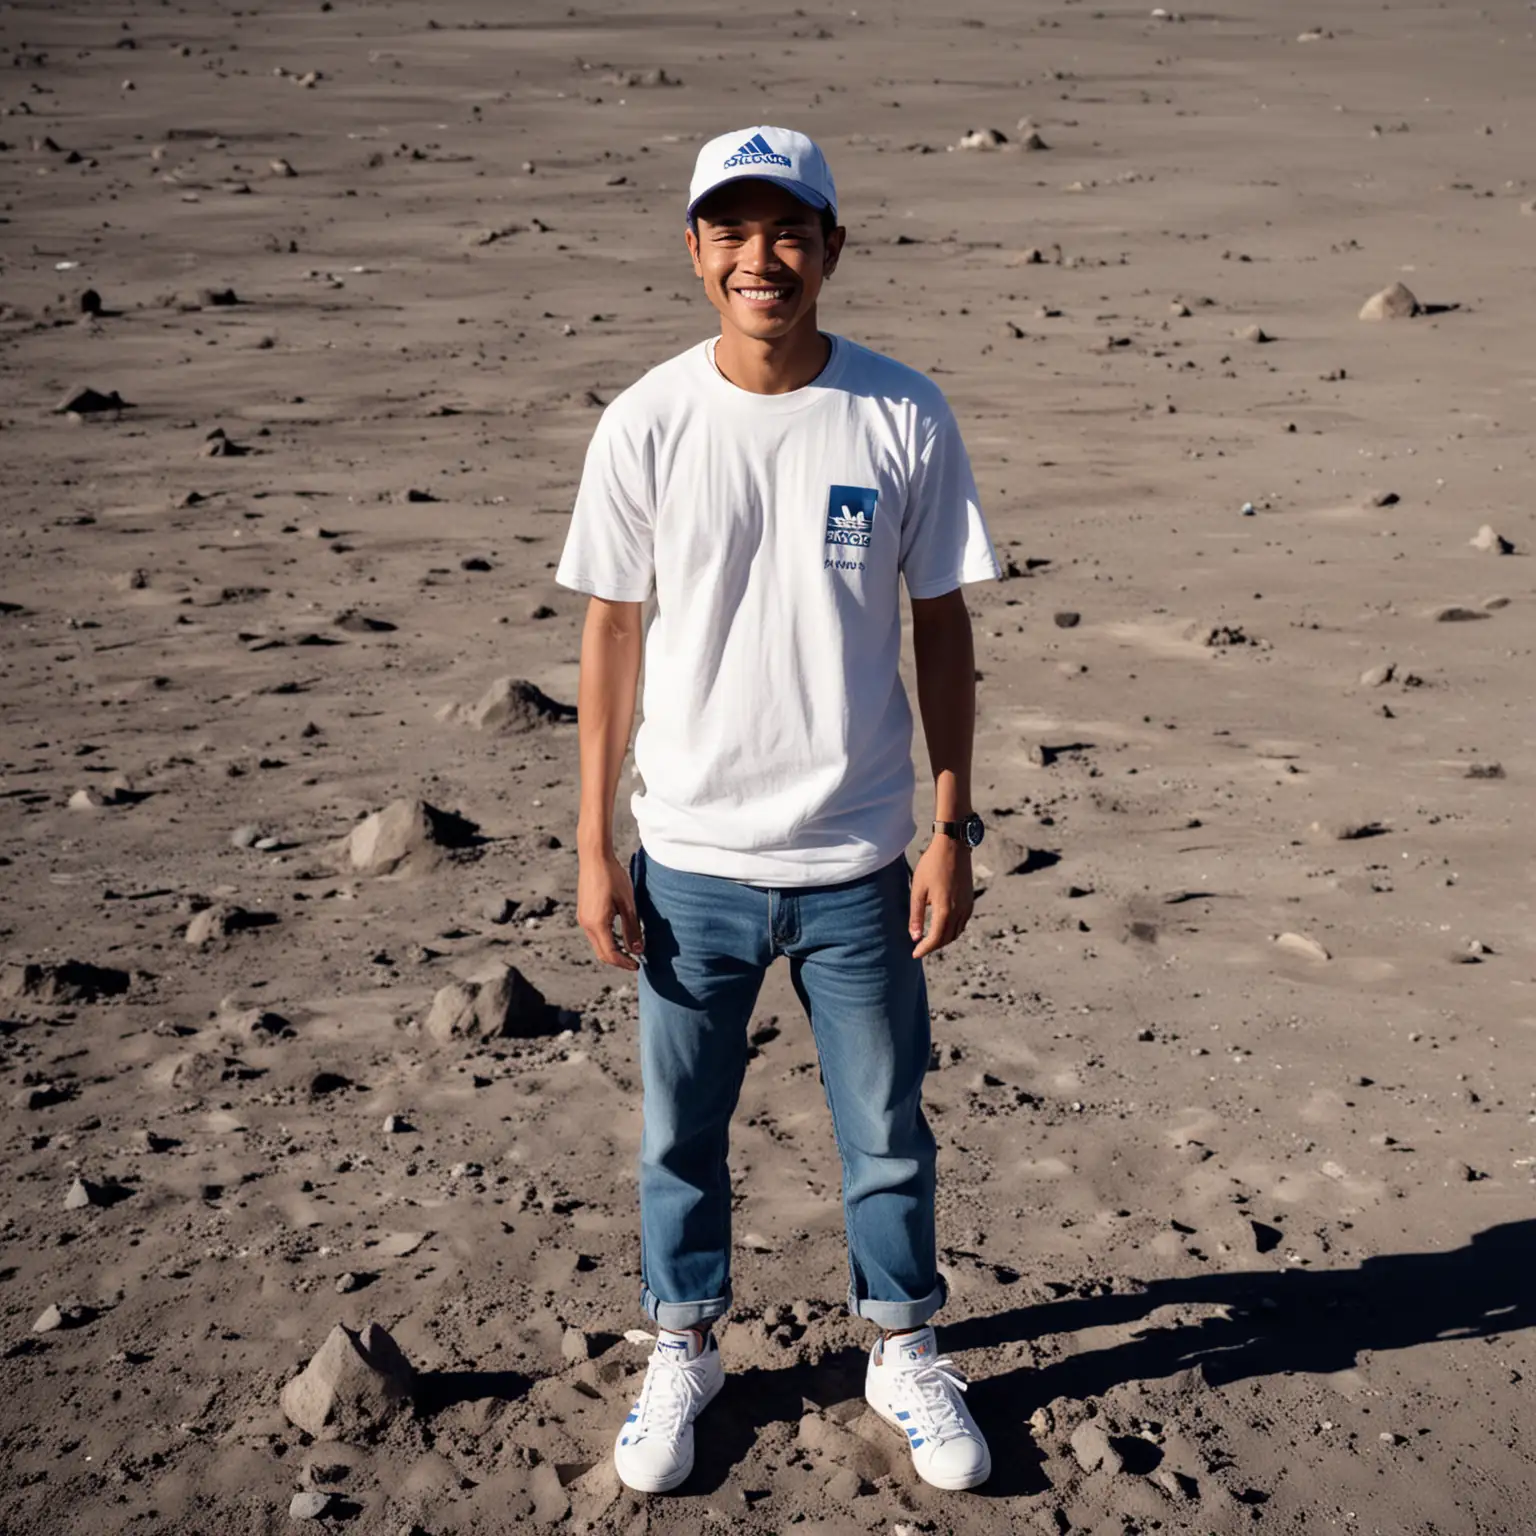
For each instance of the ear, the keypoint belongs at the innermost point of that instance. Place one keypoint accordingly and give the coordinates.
(834, 250)
(692, 241)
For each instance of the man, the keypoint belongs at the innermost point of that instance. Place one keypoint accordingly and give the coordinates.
(772, 486)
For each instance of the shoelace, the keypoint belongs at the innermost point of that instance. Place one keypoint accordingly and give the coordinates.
(670, 1396)
(939, 1411)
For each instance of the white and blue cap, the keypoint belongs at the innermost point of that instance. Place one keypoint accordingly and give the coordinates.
(779, 155)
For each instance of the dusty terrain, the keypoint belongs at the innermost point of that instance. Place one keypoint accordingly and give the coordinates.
(1234, 1090)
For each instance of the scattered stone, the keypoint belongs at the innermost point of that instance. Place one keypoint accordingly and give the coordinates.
(90, 302)
(81, 1195)
(43, 1096)
(1394, 302)
(1254, 333)
(311, 1504)
(88, 799)
(1179, 309)
(1067, 619)
(1456, 613)
(1179, 1484)
(362, 624)
(1092, 1447)
(68, 981)
(260, 1024)
(345, 1283)
(845, 1485)
(1345, 831)
(1217, 636)
(146, 1140)
(52, 1318)
(396, 1125)
(281, 167)
(1032, 256)
(575, 1345)
(401, 1245)
(514, 705)
(642, 79)
(407, 835)
(353, 1386)
(85, 401)
(1382, 498)
(498, 1002)
(1300, 944)
(222, 919)
(498, 909)
(1376, 677)
(220, 445)
(981, 138)
(205, 298)
(1485, 771)
(1490, 542)
(331, 1463)
(551, 1503)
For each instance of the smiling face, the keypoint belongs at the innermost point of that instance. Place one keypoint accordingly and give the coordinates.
(763, 258)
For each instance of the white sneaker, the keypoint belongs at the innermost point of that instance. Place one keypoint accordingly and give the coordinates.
(654, 1451)
(911, 1386)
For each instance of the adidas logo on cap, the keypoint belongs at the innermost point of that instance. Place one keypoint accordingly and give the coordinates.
(757, 151)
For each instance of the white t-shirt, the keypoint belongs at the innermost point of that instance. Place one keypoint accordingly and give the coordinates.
(776, 739)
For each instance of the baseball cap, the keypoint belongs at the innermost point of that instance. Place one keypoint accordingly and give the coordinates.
(764, 154)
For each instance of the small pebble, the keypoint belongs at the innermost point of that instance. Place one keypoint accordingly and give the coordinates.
(309, 1505)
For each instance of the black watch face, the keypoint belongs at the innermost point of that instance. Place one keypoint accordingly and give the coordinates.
(975, 830)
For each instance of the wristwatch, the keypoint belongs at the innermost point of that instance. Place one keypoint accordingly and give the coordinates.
(970, 831)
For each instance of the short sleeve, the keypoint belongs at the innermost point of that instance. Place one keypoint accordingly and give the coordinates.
(944, 539)
(608, 547)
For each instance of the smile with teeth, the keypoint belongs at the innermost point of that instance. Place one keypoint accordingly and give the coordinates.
(764, 295)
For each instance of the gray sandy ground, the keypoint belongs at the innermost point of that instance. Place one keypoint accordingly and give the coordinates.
(1234, 1089)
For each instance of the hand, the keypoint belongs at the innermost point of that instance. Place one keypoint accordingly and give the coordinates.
(941, 880)
(604, 892)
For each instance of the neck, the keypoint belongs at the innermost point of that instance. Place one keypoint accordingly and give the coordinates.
(776, 366)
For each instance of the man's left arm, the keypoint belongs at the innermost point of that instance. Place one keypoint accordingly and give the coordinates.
(946, 696)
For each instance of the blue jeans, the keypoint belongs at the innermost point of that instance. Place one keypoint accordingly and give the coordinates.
(708, 942)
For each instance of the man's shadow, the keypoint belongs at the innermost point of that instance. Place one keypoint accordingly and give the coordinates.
(1278, 1322)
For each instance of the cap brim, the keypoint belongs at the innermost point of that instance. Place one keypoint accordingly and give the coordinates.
(797, 189)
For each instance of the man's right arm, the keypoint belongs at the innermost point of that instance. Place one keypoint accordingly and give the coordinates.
(611, 647)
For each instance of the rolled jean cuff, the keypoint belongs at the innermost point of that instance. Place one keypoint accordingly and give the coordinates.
(677, 1315)
(899, 1314)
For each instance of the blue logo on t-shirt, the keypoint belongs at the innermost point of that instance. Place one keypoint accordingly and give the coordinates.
(851, 515)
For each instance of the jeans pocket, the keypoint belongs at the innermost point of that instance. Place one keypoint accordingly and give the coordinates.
(637, 878)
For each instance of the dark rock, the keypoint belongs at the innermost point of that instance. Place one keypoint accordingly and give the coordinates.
(67, 981)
